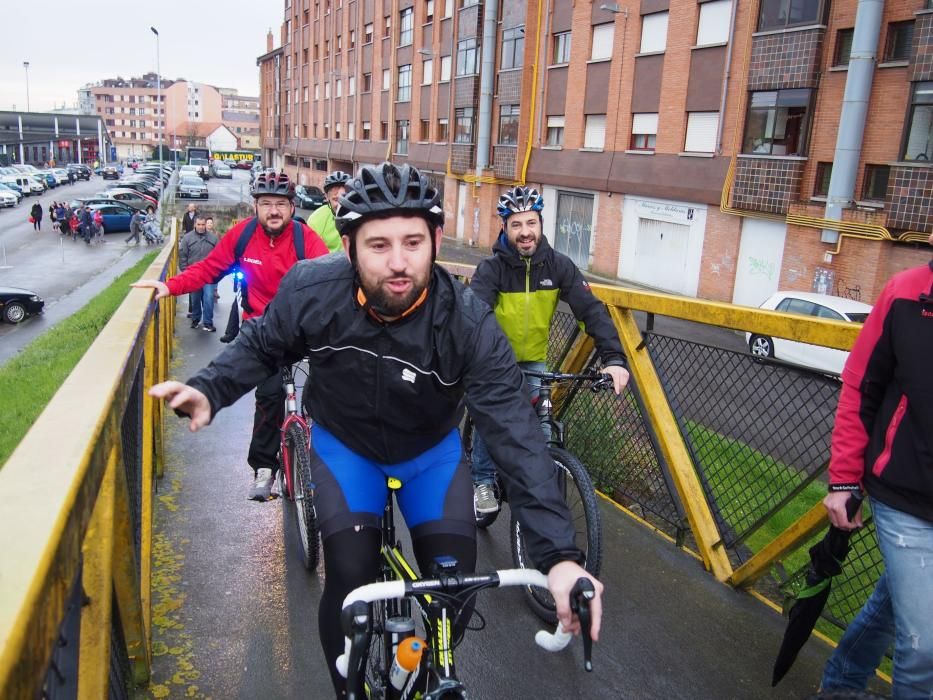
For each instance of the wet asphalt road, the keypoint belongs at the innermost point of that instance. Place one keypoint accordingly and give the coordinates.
(235, 614)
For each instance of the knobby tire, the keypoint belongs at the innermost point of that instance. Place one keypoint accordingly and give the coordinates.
(580, 497)
(299, 457)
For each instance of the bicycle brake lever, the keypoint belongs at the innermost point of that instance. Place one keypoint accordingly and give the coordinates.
(580, 596)
(604, 383)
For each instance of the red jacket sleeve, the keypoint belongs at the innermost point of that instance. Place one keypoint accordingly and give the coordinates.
(208, 270)
(865, 377)
(314, 244)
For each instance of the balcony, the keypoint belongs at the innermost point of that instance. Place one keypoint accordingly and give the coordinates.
(909, 201)
(767, 184)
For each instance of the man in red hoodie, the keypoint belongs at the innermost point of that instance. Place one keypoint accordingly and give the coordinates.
(268, 255)
(883, 443)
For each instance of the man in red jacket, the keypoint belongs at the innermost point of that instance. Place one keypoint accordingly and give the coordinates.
(269, 254)
(883, 443)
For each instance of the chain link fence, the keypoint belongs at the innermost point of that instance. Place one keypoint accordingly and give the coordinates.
(758, 433)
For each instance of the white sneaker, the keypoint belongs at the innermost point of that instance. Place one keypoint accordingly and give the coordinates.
(261, 489)
(484, 499)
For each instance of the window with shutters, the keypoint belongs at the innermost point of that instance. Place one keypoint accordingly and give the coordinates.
(386, 78)
(368, 33)
(875, 187)
(561, 48)
(555, 131)
(843, 46)
(442, 126)
(427, 71)
(401, 136)
(654, 33)
(367, 131)
(464, 125)
(367, 82)
(429, 11)
(701, 132)
(644, 131)
(899, 41)
(425, 133)
(594, 135)
(445, 67)
(601, 49)
(713, 26)
(919, 142)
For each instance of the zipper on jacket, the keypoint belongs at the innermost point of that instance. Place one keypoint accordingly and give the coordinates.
(524, 346)
(889, 435)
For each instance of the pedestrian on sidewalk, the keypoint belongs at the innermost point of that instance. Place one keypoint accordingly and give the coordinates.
(136, 228)
(36, 214)
(194, 247)
(882, 443)
(187, 221)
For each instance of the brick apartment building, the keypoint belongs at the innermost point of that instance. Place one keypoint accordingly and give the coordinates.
(681, 144)
(187, 114)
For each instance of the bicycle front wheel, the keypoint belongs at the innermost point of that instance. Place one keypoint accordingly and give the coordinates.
(580, 497)
(299, 457)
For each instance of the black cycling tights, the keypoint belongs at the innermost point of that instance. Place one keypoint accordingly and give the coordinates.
(351, 559)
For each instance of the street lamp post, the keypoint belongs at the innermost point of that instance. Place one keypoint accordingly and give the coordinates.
(160, 117)
(26, 66)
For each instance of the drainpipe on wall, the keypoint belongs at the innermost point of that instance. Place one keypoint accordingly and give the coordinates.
(487, 79)
(725, 78)
(854, 111)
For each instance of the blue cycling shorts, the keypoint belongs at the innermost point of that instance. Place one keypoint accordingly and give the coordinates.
(350, 491)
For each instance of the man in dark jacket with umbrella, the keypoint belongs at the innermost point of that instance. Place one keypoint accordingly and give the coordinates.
(883, 442)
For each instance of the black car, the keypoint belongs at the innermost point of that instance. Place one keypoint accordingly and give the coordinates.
(110, 173)
(16, 304)
(82, 172)
(309, 197)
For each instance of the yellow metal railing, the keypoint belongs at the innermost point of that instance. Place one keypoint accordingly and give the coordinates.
(68, 512)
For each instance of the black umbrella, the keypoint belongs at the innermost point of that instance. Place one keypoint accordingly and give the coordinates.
(826, 558)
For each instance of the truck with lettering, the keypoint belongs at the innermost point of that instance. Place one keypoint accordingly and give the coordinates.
(200, 157)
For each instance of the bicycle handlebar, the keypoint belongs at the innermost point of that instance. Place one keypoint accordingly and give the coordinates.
(457, 583)
(601, 380)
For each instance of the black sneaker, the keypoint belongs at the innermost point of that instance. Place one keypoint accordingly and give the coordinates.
(209, 329)
(195, 324)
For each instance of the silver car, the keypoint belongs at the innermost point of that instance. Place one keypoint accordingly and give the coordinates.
(192, 187)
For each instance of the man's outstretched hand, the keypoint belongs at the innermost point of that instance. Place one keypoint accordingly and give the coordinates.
(160, 287)
(181, 397)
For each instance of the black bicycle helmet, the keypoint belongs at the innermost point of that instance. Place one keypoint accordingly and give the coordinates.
(338, 177)
(273, 183)
(387, 189)
(519, 199)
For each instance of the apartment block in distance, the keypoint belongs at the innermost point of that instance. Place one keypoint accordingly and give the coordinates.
(671, 138)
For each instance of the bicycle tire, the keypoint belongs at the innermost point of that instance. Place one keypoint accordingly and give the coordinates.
(296, 442)
(483, 520)
(377, 665)
(580, 497)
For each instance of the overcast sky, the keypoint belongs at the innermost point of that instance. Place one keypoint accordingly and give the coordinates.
(70, 43)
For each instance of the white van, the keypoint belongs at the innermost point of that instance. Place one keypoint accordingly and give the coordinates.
(26, 183)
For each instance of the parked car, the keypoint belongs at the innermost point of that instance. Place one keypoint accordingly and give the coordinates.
(192, 187)
(808, 304)
(243, 165)
(81, 171)
(110, 172)
(16, 304)
(47, 177)
(309, 197)
(116, 215)
(12, 189)
(25, 183)
(61, 175)
(7, 198)
(135, 199)
(221, 170)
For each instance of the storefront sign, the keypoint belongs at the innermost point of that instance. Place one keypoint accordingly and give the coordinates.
(661, 211)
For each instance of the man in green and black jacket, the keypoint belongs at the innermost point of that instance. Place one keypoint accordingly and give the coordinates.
(522, 282)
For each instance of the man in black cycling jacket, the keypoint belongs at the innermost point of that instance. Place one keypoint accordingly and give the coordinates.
(394, 344)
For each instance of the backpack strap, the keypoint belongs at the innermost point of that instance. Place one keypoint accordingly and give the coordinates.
(299, 233)
(245, 235)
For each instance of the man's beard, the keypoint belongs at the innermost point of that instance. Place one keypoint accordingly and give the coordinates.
(388, 305)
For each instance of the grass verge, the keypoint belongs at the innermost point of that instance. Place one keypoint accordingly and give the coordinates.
(29, 380)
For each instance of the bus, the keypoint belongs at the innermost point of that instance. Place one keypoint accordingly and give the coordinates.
(198, 156)
(237, 159)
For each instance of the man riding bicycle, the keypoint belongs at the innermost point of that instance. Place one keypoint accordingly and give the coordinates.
(268, 255)
(322, 220)
(522, 282)
(394, 343)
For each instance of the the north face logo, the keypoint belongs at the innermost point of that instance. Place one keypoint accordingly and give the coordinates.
(546, 283)
(408, 375)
